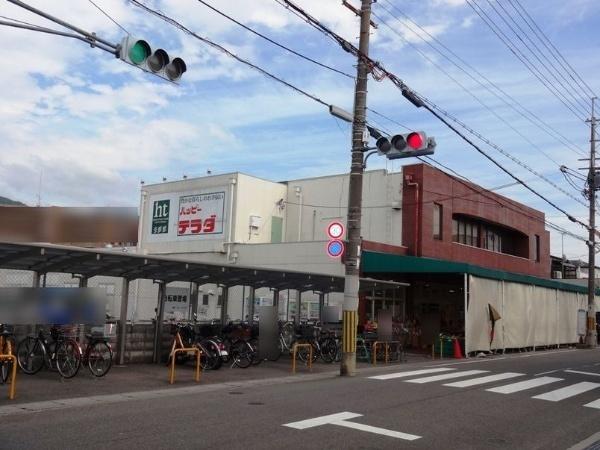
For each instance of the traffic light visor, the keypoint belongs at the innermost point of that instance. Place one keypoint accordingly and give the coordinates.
(175, 69)
(139, 51)
(158, 60)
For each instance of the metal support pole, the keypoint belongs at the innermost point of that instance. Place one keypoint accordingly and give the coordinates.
(287, 306)
(122, 329)
(193, 299)
(276, 301)
(351, 284)
(591, 339)
(298, 307)
(160, 310)
(251, 304)
(83, 283)
(321, 306)
(224, 303)
(36, 280)
(242, 317)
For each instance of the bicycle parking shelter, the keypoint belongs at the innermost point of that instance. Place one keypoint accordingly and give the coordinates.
(84, 263)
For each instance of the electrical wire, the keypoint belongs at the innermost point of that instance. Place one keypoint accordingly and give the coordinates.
(227, 52)
(421, 101)
(548, 43)
(108, 15)
(268, 39)
(467, 90)
(515, 51)
(523, 34)
(469, 70)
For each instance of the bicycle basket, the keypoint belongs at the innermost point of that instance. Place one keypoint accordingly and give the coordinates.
(107, 330)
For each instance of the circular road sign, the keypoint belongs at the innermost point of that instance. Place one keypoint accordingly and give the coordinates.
(335, 230)
(335, 248)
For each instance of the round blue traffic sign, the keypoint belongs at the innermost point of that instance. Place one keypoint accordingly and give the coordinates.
(335, 248)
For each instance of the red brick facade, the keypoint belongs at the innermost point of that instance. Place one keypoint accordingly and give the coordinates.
(424, 185)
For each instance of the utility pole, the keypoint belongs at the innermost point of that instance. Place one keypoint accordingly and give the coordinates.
(591, 339)
(352, 279)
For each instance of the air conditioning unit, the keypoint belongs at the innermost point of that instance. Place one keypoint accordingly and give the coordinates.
(557, 274)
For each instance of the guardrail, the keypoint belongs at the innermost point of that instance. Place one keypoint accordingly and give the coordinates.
(295, 352)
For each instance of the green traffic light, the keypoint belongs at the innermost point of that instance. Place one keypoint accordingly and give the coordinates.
(139, 52)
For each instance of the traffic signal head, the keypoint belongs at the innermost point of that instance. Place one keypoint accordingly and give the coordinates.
(139, 53)
(409, 145)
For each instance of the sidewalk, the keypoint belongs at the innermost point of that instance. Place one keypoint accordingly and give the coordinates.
(49, 386)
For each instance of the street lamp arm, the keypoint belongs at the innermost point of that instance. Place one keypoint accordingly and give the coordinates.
(367, 157)
(60, 33)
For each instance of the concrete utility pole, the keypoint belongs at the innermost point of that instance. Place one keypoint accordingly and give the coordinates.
(351, 284)
(591, 339)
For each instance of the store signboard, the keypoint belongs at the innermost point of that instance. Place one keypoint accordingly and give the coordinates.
(201, 214)
(188, 215)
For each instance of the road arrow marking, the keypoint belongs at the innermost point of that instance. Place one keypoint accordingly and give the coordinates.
(341, 419)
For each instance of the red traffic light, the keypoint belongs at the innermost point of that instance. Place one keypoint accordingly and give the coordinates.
(415, 141)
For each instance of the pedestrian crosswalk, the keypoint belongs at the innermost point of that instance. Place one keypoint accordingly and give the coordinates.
(483, 377)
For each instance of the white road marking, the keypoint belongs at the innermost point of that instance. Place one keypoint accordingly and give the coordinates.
(446, 376)
(595, 404)
(523, 385)
(568, 391)
(323, 420)
(341, 419)
(583, 373)
(483, 380)
(389, 376)
(377, 430)
(546, 373)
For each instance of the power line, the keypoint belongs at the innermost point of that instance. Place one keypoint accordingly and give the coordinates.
(421, 101)
(523, 58)
(548, 43)
(552, 72)
(268, 39)
(487, 84)
(108, 15)
(468, 91)
(227, 52)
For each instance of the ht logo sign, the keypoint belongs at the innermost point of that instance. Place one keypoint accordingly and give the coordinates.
(160, 216)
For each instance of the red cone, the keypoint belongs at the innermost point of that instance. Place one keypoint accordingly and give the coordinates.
(457, 351)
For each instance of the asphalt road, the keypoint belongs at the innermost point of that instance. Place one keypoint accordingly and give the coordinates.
(379, 413)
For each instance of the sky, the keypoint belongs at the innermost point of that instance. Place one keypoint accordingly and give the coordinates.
(79, 127)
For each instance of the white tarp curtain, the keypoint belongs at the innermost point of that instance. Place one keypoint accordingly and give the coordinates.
(530, 315)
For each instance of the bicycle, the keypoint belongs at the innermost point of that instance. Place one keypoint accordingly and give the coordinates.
(238, 349)
(187, 335)
(61, 353)
(98, 355)
(7, 346)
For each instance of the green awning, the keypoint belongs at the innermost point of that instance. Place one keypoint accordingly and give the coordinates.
(373, 262)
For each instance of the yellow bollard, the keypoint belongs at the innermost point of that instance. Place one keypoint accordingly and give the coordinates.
(295, 352)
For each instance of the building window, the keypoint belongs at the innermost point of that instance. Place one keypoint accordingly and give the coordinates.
(537, 248)
(205, 299)
(437, 221)
(496, 238)
(219, 300)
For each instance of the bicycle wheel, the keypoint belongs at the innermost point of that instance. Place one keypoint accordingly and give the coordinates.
(256, 360)
(328, 350)
(304, 353)
(242, 354)
(5, 367)
(276, 352)
(30, 355)
(213, 353)
(68, 358)
(99, 358)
